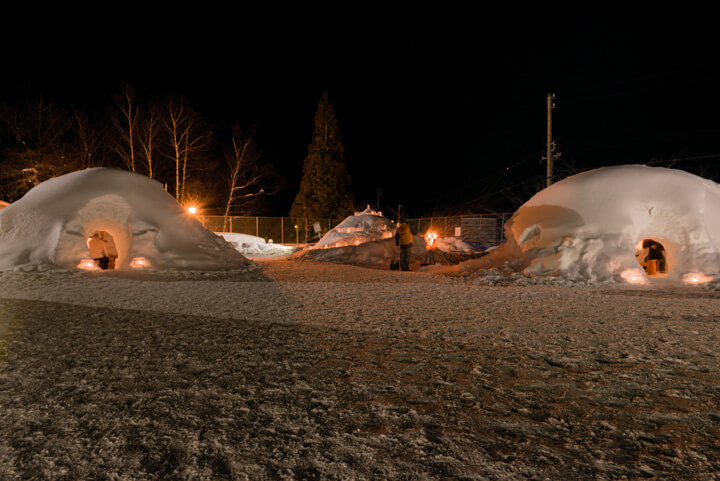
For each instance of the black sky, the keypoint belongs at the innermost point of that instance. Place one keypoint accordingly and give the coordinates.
(440, 104)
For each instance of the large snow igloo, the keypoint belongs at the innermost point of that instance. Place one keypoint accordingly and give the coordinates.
(51, 225)
(592, 226)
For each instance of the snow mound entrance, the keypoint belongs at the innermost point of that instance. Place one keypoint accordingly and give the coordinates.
(51, 225)
(597, 226)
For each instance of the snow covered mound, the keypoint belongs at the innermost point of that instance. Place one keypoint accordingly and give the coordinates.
(588, 227)
(365, 226)
(51, 223)
(452, 244)
(377, 253)
(253, 246)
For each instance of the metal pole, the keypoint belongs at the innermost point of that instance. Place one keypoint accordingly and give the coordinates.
(549, 152)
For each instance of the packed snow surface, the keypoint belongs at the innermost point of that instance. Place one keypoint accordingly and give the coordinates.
(323, 371)
(252, 246)
(589, 226)
(51, 223)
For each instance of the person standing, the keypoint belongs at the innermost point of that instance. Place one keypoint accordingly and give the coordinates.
(404, 239)
(97, 251)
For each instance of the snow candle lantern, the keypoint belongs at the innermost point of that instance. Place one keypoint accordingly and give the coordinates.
(696, 278)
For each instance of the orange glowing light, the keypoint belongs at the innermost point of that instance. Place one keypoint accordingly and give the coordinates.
(430, 239)
(696, 278)
(139, 263)
(88, 265)
(633, 276)
(192, 209)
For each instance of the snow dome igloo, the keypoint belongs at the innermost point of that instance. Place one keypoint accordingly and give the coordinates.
(591, 226)
(50, 225)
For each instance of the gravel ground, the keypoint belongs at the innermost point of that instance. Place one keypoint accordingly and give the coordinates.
(306, 370)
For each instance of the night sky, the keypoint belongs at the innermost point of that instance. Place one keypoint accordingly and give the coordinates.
(440, 104)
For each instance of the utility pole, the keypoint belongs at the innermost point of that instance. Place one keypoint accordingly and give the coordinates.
(550, 145)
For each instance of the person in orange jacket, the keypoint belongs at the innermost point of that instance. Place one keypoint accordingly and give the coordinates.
(404, 239)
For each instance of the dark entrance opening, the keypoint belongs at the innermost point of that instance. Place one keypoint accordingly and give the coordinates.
(652, 257)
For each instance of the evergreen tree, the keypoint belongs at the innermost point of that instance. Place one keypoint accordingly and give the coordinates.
(325, 185)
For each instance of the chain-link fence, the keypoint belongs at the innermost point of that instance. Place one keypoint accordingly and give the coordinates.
(479, 230)
(282, 230)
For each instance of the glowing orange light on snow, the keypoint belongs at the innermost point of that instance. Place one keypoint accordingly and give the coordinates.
(192, 210)
(430, 239)
(88, 265)
(696, 278)
(139, 263)
(633, 276)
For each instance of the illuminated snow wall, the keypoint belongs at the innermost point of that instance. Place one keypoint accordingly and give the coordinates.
(51, 223)
(587, 226)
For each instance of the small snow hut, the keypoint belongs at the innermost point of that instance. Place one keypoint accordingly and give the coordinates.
(593, 226)
(52, 223)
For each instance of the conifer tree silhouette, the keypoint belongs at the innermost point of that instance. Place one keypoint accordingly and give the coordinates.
(325, 185)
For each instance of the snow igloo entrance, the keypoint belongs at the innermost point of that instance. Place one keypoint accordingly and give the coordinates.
(103, 251)
(652, 257)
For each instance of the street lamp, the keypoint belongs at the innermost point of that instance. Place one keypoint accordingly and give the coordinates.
(297, 235)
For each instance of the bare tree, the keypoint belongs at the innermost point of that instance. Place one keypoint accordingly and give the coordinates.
(37, 145)
(244, 176)
(90, 140)
(125, 120)
(187, 136)
(148, 136)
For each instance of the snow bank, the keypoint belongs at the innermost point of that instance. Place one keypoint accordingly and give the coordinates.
(253, 246)
(377, 253)
(50, 225)
(366, 238)
(453, 244)
(365, 226)
(588, 227)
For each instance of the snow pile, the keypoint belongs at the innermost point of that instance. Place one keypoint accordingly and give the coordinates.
(252, 246)
(377, 253)
(453, 244)
(51, 223)
(366, 238)
(365, 226)
(588, 227)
